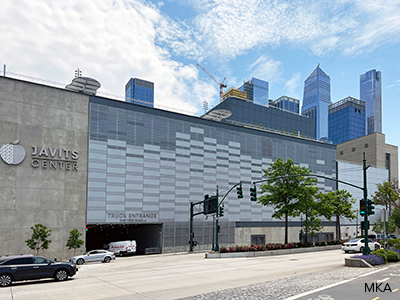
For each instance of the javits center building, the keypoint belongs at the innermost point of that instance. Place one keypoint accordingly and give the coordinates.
(117, 171)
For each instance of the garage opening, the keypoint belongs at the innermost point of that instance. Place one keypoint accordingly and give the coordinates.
(148, 237)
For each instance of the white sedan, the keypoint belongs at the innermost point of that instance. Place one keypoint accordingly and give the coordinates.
(92, 256)
(357, 245)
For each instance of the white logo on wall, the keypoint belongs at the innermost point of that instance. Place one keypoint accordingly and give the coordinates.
(12, 153)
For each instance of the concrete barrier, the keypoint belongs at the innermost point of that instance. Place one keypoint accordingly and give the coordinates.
(271, 252)
(356, 262)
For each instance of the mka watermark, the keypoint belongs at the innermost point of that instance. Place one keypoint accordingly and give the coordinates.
(377, 287)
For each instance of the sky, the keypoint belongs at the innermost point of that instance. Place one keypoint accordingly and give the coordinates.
(281, 42)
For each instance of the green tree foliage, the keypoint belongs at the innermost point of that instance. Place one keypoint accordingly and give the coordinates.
(337, 203)
(385, 195)
(39, 240)
(74, 242)
(395, 217)
(287, 195)
(312, 223)
(390, 225)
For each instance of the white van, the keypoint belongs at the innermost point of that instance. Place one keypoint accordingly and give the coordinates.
(123, 247)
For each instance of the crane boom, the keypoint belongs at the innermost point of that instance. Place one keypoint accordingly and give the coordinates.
(222, 84)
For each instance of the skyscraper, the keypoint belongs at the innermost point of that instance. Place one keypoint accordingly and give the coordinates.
(316, 100)
(140, 91)
(371, 94)
(257, 90)
(286, 103)
(346, 120)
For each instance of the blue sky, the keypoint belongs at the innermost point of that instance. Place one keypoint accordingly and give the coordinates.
(162, 41)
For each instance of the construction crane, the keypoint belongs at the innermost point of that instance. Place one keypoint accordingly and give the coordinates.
(222, 84)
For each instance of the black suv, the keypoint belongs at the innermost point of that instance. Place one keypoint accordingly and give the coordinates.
(29, 267)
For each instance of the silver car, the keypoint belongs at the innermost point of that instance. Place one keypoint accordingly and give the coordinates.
(94, 255)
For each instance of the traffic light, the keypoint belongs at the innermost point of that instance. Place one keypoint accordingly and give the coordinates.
(219, 229)
(221, 211)
(370, 207)
(362, 208)
(159, 228)
(239, 191)
(87, 228)
(253, 193)
(210, 204)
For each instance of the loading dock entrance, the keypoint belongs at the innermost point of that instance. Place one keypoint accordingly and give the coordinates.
(147, 236)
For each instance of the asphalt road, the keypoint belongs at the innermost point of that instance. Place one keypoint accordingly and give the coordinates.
(172, 276)
(382, 284)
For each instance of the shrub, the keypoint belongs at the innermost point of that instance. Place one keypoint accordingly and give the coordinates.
(232, 249)
(322, 243)
(223, 250)
(262, 247)
(392, 256)
(381, 253)
(372, 259)
(253, 248)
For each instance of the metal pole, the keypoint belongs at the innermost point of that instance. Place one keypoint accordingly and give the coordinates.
(384, 231)
(216, 225)
(213, 236)
(191, 228)
(366, 250)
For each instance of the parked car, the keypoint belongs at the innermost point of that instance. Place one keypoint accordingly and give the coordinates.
(92, 256)
(392, 236)
(123, 247)
(357, 245)
(30, 267)
(380, 237)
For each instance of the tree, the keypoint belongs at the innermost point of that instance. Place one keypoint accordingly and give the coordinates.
(312, 223)
(340, 204)
(287, 195)
(395, 217)
(74, 242)
(385, 195)
(390, 226)
(39, 240)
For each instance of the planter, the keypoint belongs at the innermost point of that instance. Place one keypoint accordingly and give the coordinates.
(272, 252)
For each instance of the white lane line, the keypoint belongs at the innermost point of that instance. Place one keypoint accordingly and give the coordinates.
(382, 280)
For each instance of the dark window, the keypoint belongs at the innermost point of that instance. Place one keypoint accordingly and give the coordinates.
(20, 261)
(258, 239)
(365, 145)
(341, 153)
(388, 161)
(40, 260)
(353, 149)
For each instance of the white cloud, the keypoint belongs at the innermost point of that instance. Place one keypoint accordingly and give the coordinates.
(293, 84)
(110, 40)
(229, 28)
(266, 68)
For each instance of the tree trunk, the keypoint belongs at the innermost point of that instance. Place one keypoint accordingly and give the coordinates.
(305, 231)
(286, 228)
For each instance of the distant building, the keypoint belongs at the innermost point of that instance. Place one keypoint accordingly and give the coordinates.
(264, 117)
(286, 103)
(257, 90)
(316, 100)
(377, 153)
(371, 94)
(346, 120)
(140, 91)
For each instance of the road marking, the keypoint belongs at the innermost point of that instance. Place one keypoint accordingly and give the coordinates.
(395, 290)
(376, 298)
(394, 274)
(382, 280)
(333, 285)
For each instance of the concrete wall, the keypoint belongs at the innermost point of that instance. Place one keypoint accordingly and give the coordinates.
(42, 116)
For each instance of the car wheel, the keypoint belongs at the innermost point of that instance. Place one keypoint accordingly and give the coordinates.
(61, 275)
(5, 280)
(120, 253)
(361, 249)
(107, 259)
(80, 261)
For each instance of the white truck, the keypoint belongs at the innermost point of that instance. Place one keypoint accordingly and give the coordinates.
(123, 247)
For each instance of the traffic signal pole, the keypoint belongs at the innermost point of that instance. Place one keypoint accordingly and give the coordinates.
(366, 249)
(216, 225)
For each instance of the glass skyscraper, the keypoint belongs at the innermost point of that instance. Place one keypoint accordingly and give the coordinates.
(316, 100)
(140, 91)
(346, 120)
(287, 103)
(257, 90)
(371, 94)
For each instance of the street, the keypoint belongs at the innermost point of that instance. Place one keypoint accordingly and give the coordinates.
(173, 276)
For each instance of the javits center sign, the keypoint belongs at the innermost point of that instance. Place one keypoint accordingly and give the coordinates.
(42, 157)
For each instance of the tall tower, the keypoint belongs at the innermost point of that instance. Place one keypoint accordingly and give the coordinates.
(316, 100)
(257, 90)
(371, 94)
(139, 91)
